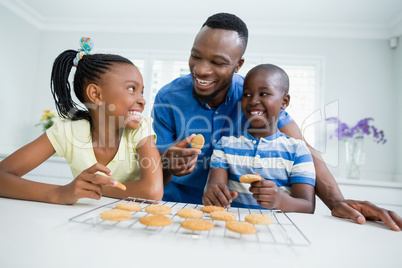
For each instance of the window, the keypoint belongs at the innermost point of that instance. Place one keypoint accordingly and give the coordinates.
(306, 94)
(305, 76)
(163, 72)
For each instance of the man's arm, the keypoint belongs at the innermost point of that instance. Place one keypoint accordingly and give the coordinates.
(328, 191)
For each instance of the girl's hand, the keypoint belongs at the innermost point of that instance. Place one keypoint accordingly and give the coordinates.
(266, 193)
(86, 185)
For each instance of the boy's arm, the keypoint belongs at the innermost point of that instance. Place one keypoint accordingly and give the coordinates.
(302, 199)
(217, 191)
(326, 187)
(268, 195)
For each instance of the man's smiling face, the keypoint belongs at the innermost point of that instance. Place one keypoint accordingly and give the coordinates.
(216, 55)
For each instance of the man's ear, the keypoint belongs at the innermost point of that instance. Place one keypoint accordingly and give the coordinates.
(94, 94)
(285, 101)
(239, 64)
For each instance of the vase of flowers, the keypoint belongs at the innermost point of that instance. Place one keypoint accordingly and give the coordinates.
(47, 120)
(353, 137)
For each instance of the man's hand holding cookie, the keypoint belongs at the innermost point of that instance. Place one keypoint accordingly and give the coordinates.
(179, 160)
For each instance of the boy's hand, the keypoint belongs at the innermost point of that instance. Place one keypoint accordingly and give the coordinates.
(266, 193)
(218, 195)
(86, 185)
(178, 159)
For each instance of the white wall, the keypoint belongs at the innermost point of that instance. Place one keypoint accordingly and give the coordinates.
(358, 73)
(19, 46)
(397, 117)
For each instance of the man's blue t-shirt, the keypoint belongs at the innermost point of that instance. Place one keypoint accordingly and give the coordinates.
(177, 115)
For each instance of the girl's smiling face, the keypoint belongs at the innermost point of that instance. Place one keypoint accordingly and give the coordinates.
(122, 93)
(262, 101)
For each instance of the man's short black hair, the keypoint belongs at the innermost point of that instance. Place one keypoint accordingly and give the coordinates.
(229, 22)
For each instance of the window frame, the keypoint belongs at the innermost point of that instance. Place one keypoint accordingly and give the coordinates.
(318, 62)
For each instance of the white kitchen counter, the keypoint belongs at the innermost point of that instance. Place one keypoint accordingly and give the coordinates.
(36, 234)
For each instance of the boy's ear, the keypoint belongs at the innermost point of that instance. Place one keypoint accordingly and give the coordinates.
(285, 101)
(94, 94)
(239, 64)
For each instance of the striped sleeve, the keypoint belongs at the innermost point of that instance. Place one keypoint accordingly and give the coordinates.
(219, 158)
(303, 170)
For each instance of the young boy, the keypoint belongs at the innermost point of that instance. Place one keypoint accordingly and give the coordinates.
(281, 161)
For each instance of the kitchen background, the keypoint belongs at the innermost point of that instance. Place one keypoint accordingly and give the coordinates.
(349, 48)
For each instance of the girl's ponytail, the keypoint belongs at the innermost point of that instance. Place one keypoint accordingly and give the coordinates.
(61, 88)
(60, 85)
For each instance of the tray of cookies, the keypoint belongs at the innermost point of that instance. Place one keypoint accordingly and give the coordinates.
(196, 221)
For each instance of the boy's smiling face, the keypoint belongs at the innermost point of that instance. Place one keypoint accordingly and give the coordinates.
(262, 101)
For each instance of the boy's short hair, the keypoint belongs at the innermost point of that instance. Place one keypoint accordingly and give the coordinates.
(229, 22)
(281, 76)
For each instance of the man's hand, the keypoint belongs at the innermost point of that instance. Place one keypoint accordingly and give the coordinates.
(359, 211)
(179, 160)
(218, 195)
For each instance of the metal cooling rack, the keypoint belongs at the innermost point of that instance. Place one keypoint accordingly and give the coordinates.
(282, 231)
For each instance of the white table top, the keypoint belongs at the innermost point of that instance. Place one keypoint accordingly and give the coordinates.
(36, 234)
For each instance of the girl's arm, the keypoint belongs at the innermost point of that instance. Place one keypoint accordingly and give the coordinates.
(268, 195)
(150, 185)
(86, 185)
(20, 163)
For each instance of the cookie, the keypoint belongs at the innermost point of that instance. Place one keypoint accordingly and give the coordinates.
(209, 209)
(129, 206)
(250, 178)
(156, 220)
(198, 142)
(158, 209)
(259, 219)
(241, 227)
(197, 225)
(222, 216)
(115, 215)
(189, 213)
(121, 186)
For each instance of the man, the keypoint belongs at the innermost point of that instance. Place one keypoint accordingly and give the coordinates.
(207, 102)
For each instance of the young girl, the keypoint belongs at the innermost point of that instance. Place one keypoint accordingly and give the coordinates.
(107, 142)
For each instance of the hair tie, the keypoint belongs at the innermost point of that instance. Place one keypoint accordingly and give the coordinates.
(86, 46)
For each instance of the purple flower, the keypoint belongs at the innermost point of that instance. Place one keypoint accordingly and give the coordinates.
(359, 131)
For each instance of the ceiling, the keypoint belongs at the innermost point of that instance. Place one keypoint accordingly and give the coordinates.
(325, 18)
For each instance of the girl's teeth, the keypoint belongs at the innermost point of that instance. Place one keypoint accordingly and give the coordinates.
(134, 113)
